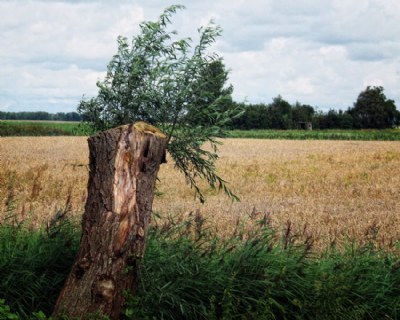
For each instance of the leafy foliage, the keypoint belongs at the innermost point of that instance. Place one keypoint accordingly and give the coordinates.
(5, 311)
(161, 80)
(373, 110)
(279, 114)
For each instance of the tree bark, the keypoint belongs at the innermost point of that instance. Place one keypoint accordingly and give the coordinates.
(124, 162)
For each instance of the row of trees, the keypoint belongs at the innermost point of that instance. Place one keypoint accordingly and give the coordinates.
(371, 110)
(40, 115)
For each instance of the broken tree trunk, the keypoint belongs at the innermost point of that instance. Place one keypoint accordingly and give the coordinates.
(124, 162)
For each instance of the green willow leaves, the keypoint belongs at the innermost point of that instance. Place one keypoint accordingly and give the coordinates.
(181, 89)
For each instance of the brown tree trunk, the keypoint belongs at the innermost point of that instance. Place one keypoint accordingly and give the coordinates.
(124, 162)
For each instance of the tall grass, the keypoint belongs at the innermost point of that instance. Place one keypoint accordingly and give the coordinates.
(34, 263)
(257, 275)
(188, 272)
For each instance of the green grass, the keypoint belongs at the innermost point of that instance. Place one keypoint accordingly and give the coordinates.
(190, 273)
(55, 128)
(34, 264)
(390, 134)
(40, 128)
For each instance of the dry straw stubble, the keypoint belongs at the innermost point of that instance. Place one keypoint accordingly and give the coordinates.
(332, 190)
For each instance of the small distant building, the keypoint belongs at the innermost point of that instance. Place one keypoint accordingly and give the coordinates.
(305, 125)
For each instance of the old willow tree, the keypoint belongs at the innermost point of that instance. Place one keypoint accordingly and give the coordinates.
(174, 86)
(175, 95)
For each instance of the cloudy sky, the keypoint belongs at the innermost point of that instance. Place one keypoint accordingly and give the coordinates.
(319, 52)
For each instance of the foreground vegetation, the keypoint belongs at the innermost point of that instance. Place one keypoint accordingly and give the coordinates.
(190, 273)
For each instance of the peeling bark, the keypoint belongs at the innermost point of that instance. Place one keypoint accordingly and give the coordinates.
(124, 162)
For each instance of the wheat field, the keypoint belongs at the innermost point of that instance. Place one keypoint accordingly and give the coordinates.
(333, 191)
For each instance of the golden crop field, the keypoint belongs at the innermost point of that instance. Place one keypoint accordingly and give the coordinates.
(332, 190)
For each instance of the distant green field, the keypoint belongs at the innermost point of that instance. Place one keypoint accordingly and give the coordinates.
(40, 128)
(392, 134)
(59, 128)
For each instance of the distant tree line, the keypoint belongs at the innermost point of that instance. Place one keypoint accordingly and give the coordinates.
(372, 110)
(40, 115)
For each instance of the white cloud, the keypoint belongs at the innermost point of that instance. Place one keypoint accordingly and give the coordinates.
(299, 86)
(55, 50)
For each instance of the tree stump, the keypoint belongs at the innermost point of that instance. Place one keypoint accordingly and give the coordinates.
(124, 162)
